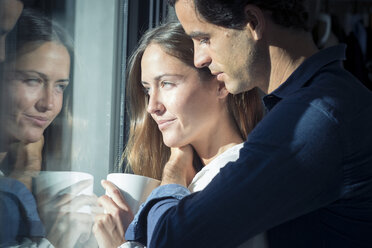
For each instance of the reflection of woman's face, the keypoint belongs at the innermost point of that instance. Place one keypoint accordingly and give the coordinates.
(36, 81)
(185, 109)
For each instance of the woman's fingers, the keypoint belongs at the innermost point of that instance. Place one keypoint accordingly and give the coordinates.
(68, 228)
(107, 231)
(63, 196)
(120, 216)
(76, 188)
(77, 202)
(116, 195)
(179, 168)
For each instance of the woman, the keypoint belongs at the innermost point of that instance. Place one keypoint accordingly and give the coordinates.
(35, 74)
(173, 104)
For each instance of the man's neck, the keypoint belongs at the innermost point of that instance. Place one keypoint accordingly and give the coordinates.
(287, 54)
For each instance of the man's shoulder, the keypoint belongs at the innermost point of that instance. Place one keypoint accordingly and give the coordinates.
(336, 92)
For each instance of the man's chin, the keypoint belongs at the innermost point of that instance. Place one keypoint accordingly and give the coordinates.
(236, 88)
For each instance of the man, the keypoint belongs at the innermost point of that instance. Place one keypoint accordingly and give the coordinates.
(305, 172)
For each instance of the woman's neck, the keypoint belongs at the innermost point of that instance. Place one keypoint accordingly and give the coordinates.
(217, 141)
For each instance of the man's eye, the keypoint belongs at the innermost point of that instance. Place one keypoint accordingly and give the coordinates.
(204, 40)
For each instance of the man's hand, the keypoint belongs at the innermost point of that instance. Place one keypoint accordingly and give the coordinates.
(179, 168)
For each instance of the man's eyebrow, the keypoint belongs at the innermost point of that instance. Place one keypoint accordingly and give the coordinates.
(197, 34)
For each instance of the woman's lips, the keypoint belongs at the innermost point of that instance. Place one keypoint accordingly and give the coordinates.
(163, 124)
(38, 120)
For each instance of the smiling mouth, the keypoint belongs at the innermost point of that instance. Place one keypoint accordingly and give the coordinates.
(37, 120)
(163, 124)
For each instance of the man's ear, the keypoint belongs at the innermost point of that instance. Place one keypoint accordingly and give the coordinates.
(255, 21)
(222, 91)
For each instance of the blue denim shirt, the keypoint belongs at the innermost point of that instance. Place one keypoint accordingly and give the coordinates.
(304, 174)
(18, 213)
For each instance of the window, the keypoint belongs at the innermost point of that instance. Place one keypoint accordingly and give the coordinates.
(89, 133)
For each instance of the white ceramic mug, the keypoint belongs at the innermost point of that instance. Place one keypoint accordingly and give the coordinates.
(51, 184)
(134, 188)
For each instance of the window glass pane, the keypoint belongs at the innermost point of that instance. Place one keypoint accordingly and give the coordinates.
(60, 75)
(63, 123)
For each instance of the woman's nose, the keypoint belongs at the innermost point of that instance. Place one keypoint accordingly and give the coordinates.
(46, 101)
(155, 105)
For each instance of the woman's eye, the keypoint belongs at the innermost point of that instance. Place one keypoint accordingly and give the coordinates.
(166, 84)
(61, 87)
(33, 81)
(146, 91)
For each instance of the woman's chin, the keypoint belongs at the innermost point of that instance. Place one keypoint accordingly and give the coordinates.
(173, 143)
(30, 137)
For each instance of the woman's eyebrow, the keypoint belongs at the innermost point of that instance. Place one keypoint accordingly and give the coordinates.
(64, 80)
(157, 78)
(160, 77)
(40, 74)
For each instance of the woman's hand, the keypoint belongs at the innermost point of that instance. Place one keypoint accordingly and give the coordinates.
(109, 228)
(66, 223)
(28, 158)
(179, 168)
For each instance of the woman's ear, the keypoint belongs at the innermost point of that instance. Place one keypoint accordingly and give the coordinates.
(255, 21)
(222, 91)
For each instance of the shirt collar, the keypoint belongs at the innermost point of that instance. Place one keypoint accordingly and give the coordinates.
(305, 72)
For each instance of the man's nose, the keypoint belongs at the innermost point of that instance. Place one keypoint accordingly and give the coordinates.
(201, 58)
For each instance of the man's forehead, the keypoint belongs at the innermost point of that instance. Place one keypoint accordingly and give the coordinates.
(189, 17)
(185, 7)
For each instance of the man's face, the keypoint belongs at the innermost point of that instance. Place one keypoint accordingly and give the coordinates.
(10, 10)
(232, 55)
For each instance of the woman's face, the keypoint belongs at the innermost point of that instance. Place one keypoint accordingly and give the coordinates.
(35, 83)
(185, 108)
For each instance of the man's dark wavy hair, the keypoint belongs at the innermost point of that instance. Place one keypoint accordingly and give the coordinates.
(230, 13)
